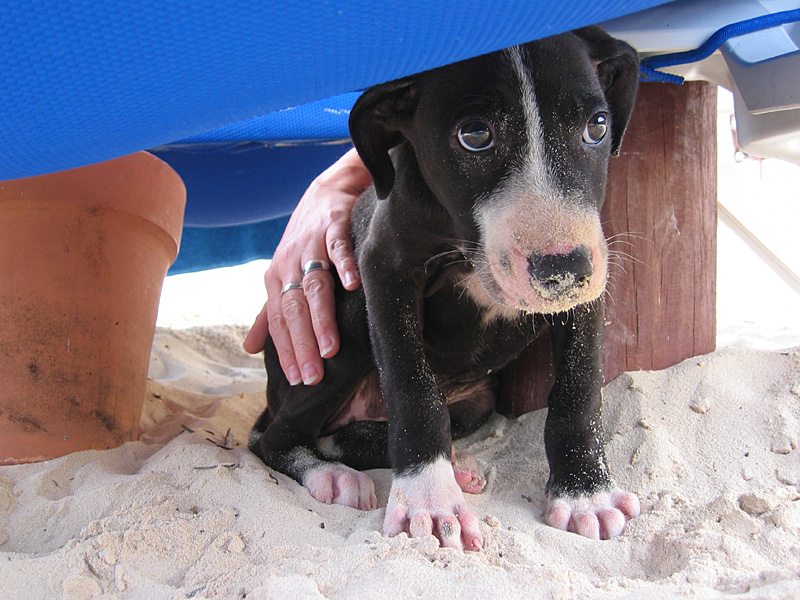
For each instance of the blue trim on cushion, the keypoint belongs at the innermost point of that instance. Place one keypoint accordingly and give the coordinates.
(650, 65)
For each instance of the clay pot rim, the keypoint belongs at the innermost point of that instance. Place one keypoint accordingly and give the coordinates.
(95, 185)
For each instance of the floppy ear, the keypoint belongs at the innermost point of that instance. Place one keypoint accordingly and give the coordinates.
(375, 123)
(617, 66)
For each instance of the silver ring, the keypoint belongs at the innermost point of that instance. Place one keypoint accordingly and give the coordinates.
(315, 265)
(290, 286)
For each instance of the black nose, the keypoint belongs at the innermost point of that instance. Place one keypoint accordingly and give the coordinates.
(556, 275)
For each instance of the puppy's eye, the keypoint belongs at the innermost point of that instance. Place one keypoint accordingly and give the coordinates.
(475, 136)
(596, 129)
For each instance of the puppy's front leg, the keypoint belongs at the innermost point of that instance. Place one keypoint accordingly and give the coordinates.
(425, 498)
(582, 496)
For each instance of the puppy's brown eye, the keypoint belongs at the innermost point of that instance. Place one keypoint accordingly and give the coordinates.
(596, 129)
(475, 136)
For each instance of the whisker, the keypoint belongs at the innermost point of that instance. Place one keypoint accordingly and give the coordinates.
(611, 299)
(624, 256)
(440, 255)
(626, 237)
(630, 234)
(613, 242)
(617, 266)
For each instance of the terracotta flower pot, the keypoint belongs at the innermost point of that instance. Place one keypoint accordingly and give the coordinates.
(83, 255)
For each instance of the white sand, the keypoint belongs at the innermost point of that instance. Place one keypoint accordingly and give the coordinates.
(711, 447)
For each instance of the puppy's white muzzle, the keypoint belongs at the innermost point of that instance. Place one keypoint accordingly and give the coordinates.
(543, 256)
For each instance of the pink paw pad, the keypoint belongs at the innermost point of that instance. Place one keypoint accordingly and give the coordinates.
(600, 516)
(430, 502)
(469, 473)
(335, 483)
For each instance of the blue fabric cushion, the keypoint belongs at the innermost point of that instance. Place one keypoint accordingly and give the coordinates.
(90, 80)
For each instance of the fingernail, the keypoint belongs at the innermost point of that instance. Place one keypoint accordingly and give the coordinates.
(326, 345)
(310, 375)
(350, 278)
(294, 376)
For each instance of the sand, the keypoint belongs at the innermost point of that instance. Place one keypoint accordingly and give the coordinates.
(710, 446)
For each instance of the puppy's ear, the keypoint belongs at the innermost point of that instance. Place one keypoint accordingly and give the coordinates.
(375, 127)
(617, 66)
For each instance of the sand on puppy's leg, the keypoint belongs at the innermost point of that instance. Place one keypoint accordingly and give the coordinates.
(468, 471)
(335, 483)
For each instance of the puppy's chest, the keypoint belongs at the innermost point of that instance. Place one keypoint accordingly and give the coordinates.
(462, 330)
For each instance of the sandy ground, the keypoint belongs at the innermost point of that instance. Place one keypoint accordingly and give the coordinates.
(710, 446)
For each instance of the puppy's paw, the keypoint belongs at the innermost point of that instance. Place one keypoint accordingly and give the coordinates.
(468, 471)
(335, 483)
(600, 516)
(430, 502)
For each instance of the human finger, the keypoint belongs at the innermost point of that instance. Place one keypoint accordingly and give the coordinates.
(319, 293)
(297, 320)
(340, 251)
(278, 274)
(279, 332)
(256, 338)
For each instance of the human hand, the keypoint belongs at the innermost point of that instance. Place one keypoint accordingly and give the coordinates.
(302, 321)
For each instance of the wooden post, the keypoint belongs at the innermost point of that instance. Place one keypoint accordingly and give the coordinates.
(660, 217)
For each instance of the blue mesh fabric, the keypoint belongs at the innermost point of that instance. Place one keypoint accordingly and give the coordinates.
(88, 80)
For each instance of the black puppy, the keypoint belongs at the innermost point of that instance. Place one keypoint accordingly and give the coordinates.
(483, 217)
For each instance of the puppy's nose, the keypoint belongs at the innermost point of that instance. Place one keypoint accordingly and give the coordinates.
(556, 275)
